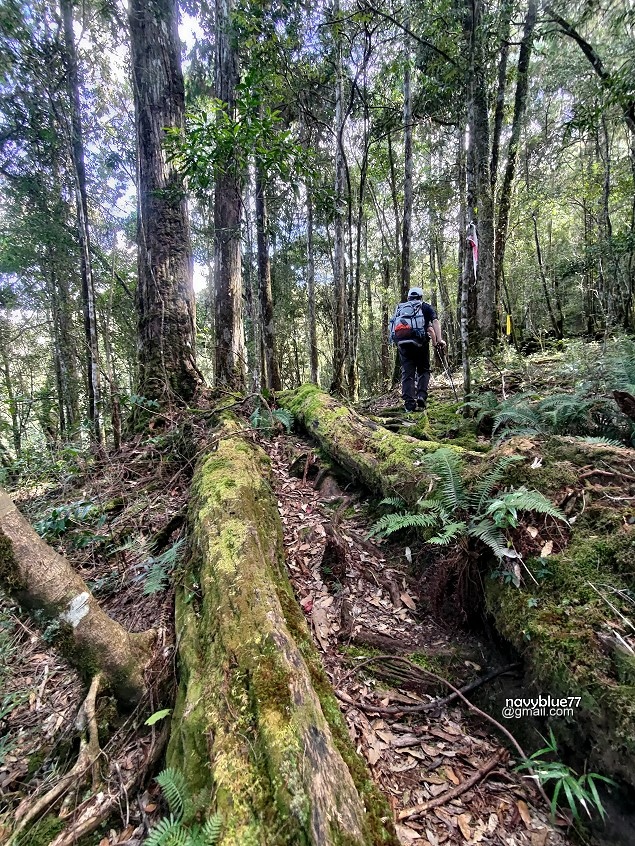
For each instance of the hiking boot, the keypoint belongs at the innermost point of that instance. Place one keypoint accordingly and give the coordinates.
(410, 406)
(421, 404)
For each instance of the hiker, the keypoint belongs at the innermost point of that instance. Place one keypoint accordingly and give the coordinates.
(413, 325)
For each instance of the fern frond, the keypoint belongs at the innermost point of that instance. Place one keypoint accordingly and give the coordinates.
(523, 499)
(168, 832)
(172, 783)
(285, 417)
(211, 830)
(446, 464)
(450, 532)
(478, 499)
(490, 535)
(394, 501)
(517, 412)
(391, 523)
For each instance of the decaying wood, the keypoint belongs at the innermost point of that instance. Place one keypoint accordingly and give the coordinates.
(249, 727)
(39, 578)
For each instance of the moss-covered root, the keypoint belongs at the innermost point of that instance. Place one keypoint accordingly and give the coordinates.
(41, 579)
(370, 453)
(249, 730)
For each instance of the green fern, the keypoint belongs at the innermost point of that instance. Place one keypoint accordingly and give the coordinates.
(172, 783)
(482, 493)
(523, 499)
(394, 501)
(211, 830)
(486, 532)
(265, 420)
(451, 531)
(168, 832)
(391, 523)
(446, 464)
(285, 417)
(159, 568)
(597, 439)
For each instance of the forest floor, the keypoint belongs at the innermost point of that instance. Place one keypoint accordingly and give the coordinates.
(121, 521)
(367, 615)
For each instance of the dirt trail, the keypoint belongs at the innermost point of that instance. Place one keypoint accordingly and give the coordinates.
(354, 591)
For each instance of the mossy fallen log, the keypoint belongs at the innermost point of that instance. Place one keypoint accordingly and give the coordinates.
(257, 731)
(371, 454)
(567, 632)
(40, 579)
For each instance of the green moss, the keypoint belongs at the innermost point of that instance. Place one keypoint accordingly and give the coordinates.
(42, 833)
(9, 571)
(557, 626)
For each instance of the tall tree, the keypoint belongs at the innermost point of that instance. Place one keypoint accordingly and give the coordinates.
(228, 321)
(81, 196)
(165, 294)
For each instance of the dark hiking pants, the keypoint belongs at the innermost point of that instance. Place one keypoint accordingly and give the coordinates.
(415, 373)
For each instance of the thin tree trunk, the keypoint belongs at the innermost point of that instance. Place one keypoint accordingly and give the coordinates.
(556, 321)
(79, 174)
(165, 294)
(310, 284)
(272, 374)
(407, 183)
(339, 270)
(520, 100)
(385, 293)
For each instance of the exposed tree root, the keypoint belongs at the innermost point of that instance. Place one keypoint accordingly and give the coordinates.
(89, 753)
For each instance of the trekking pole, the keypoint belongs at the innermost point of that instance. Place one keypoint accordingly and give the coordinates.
(446, 367)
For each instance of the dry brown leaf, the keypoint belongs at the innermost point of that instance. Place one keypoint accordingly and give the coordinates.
(452, 776)
(539, 838)
(463, 821)
(547, 549)
(523, 810)
(408, 600)
(492, 823)
(532, 531)
(406, 835)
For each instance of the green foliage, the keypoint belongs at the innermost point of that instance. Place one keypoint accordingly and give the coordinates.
(58, 520)
(178, 829)
(267, 421)
(579, 791)
(156, 570)
(452, 512)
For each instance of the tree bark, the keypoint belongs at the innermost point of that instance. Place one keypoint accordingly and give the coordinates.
(272, 373)
(339, 263)
(230, 341)
(79, 174)
(407, 182)
(310, 285)
(520, 100)
(165, 294)
(41, 579)
(255, 722)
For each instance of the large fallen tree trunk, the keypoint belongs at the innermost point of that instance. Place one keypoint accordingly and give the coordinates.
(256, 731)
(40, 579)
(571, 619)
(371, 454)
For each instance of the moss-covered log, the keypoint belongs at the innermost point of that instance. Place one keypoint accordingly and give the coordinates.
(42, 580)
(371, 454)
(566, 631)
(256, 729)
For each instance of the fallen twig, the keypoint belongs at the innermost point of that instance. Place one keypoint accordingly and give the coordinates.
(449, 795)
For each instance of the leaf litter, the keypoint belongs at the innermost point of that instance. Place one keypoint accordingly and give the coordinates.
(416, 759)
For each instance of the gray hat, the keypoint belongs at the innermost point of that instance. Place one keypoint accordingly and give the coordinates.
(415, 294)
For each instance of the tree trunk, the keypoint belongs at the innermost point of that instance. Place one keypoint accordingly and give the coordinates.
(478, 117)
(407, 182)
(310, 285)
(165, 294)
(230, 341)
(79, 174)
(371, 454)
(255, 723)
(520, 100)
(272, 373)
(40, 579)
(339, 268)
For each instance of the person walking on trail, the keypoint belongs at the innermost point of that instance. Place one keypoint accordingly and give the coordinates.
(412, 327)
